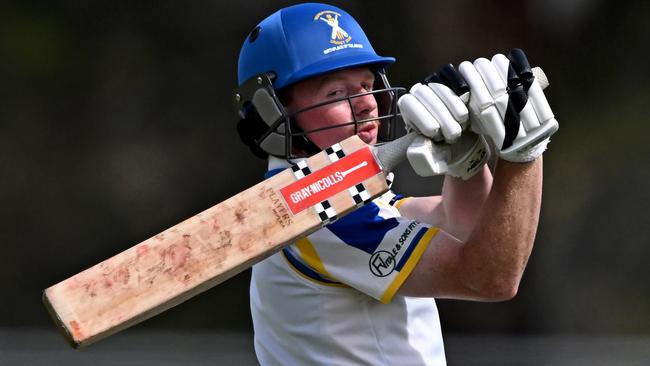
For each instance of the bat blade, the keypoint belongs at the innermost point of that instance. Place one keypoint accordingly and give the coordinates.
(214, 245)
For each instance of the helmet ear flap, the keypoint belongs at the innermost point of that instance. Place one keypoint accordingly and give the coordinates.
(262, 116)
(257, 93)
(250, 129)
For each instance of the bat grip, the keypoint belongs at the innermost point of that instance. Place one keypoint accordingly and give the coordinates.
(540, 76)
(394, 152)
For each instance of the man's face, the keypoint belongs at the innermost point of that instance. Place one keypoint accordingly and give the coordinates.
(330, 87)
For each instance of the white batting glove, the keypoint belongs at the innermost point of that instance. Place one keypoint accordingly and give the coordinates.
(462, 159)
(508, 106)
(437, 110)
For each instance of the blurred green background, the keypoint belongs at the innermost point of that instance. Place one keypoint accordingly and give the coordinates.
(116, 122)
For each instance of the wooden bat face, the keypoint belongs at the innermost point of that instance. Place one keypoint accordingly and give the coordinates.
(215, 244)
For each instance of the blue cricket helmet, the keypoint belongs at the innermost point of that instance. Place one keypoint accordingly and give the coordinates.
(306, 40)
(291, 45)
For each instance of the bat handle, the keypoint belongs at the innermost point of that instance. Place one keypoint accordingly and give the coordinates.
(394, 152)
(540, 76)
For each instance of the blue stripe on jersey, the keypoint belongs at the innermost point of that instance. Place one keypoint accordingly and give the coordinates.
(409, 250)
(395, 199)
(304, 269)
(363, 228)
(273, 172)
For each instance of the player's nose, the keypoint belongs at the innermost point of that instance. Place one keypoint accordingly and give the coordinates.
(364, 105)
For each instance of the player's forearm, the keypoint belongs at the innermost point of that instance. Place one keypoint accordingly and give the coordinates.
(500, 245)
(463, 200)
(457, 209)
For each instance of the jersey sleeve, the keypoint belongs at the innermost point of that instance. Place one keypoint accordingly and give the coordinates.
(372, 249)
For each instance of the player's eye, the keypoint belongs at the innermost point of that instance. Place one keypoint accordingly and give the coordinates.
(335, 93)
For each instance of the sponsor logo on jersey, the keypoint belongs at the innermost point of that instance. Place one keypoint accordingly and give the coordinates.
(382, 263)
(339, 37)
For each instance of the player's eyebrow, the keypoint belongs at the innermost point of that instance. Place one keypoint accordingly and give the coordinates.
(335, 77)
(332, 78)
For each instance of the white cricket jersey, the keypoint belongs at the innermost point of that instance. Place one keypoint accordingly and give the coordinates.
(330, 299)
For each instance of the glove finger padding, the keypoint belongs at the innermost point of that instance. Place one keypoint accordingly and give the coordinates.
(450, 128)
(434, 109)
(437, 109)
(425, 159)
(486, 119)
(462, 159)
(507, 105)
(417, 118)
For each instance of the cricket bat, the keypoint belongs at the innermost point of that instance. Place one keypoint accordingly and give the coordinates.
(216, 244)
(220, 242)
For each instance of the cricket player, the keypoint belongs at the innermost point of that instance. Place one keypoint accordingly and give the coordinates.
(361, 290)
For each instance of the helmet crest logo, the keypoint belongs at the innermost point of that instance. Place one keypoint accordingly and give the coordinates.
(338, 36)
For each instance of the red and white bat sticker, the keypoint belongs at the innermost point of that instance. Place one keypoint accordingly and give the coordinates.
(332, 179)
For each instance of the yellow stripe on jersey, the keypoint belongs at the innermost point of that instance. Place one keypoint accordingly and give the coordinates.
(311, 257)
(421, 246)
(399, 203)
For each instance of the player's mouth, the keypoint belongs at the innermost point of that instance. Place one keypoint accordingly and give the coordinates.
(368, 132)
